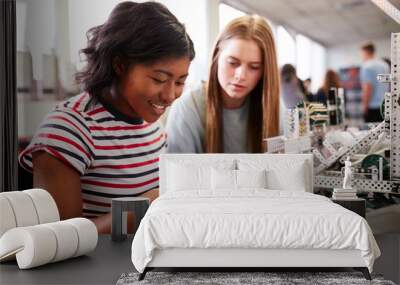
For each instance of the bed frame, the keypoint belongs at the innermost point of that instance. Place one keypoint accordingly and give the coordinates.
(242, 259)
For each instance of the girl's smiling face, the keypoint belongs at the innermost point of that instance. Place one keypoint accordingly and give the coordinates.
(147, 90)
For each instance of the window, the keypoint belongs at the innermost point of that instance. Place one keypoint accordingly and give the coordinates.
(286, 47)
(303, 59)
(227, 14)
(318, 65)
(311, 61)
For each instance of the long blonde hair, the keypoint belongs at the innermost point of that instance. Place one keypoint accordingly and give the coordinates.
(263, 117)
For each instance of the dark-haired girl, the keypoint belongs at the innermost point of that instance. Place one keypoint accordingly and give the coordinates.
(105, 142)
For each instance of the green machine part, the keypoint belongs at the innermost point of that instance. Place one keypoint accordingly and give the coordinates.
(373, 160)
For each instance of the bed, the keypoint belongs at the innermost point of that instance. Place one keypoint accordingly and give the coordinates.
(246, 211)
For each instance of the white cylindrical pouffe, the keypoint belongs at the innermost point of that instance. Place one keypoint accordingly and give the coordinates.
(33, 246)
(23, 208)
(67, 239)
(87, 235)
(40, 244)
(45, 205)
(7, 217)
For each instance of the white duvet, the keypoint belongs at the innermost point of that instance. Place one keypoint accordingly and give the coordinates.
(253, 218)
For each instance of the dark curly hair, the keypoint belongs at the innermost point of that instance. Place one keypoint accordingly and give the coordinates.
(137, 33)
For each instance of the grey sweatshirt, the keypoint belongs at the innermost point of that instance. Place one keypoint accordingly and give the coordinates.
(186, 125)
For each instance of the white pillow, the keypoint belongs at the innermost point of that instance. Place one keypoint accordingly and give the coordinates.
(281, 174)
(223, 179)
(183, 177)
(293, 179)
(251, 178)
(227, 179)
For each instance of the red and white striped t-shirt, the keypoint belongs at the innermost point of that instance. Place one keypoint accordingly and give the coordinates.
(116, 155)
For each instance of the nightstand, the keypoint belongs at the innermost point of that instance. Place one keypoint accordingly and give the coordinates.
(355, 205)
(119, 208)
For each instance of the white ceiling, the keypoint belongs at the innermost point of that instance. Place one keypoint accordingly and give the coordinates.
(329, 22)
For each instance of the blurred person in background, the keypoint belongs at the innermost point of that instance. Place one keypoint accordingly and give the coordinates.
(373, 92)
(307, 87)
(292, 88)
(331, 80)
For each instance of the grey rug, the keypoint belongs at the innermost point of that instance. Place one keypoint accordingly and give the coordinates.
(230, 278)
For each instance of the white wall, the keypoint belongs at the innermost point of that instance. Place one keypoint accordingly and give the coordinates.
(47, 27)
(36, 31)
(349, 55)
(200, 18)
(84, 15)
(31, 114)
(201, 21)
(21, 11)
